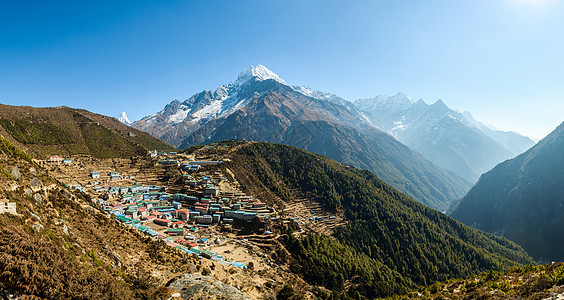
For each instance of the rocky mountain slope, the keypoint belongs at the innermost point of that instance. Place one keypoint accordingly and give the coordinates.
(452, 140)
(390, 243)
(68, 131)
(522, 199)
(260, 106)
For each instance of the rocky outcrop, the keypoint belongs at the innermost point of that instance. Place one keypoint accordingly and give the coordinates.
(196, 286)
(16, 173)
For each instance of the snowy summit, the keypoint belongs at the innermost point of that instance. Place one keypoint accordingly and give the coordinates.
(123, 118)
(260, 72)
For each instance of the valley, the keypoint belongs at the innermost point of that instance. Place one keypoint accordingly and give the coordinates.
(260, 106)
(241, 219)
(288, 150)
(241, 215)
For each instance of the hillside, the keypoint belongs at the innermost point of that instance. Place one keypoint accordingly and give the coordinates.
(390, 243)
(66, 131)
(521, 199)
(60, 243)
(260, 106)
(366, 238)
(57, 246)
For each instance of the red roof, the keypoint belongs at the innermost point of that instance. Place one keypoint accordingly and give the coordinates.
(161, 220)
(192, 244)
(178, 222)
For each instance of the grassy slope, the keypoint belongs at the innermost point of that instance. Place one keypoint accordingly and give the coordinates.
(67, 131)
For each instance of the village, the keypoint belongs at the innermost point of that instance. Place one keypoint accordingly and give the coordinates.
(193, 202)
(199, 212)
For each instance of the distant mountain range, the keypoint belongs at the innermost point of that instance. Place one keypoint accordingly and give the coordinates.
(452, 140)
(68, 131)
(261, 106)
(523, 199)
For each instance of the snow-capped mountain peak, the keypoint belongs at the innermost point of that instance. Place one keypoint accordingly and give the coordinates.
(207, 105)
(260, 73)
(123, 118)
(399, 101)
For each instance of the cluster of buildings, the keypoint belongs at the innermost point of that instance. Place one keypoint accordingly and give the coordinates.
(190, 244)
(59, 159)
(201, 204)
(150, 208)
(223, 210)
(149, 203)
(112, 176)
(172, 214)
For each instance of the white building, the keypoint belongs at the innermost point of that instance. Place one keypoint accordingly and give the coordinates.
(7, 207)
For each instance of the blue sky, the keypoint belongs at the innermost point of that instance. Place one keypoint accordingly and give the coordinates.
(502, 60)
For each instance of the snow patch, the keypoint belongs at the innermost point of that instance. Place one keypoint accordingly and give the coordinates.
(398, 125)
(179, 115)
(209, 111)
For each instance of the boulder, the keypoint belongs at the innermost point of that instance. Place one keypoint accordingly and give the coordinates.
(35, 183)
(16, 173)
(38, 198)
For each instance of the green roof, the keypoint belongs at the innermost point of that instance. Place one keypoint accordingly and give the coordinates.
(208, 252)
(124, 219)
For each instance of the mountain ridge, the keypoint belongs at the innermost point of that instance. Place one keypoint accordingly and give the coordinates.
(521, 199)
(271, 111)
(452, 140)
